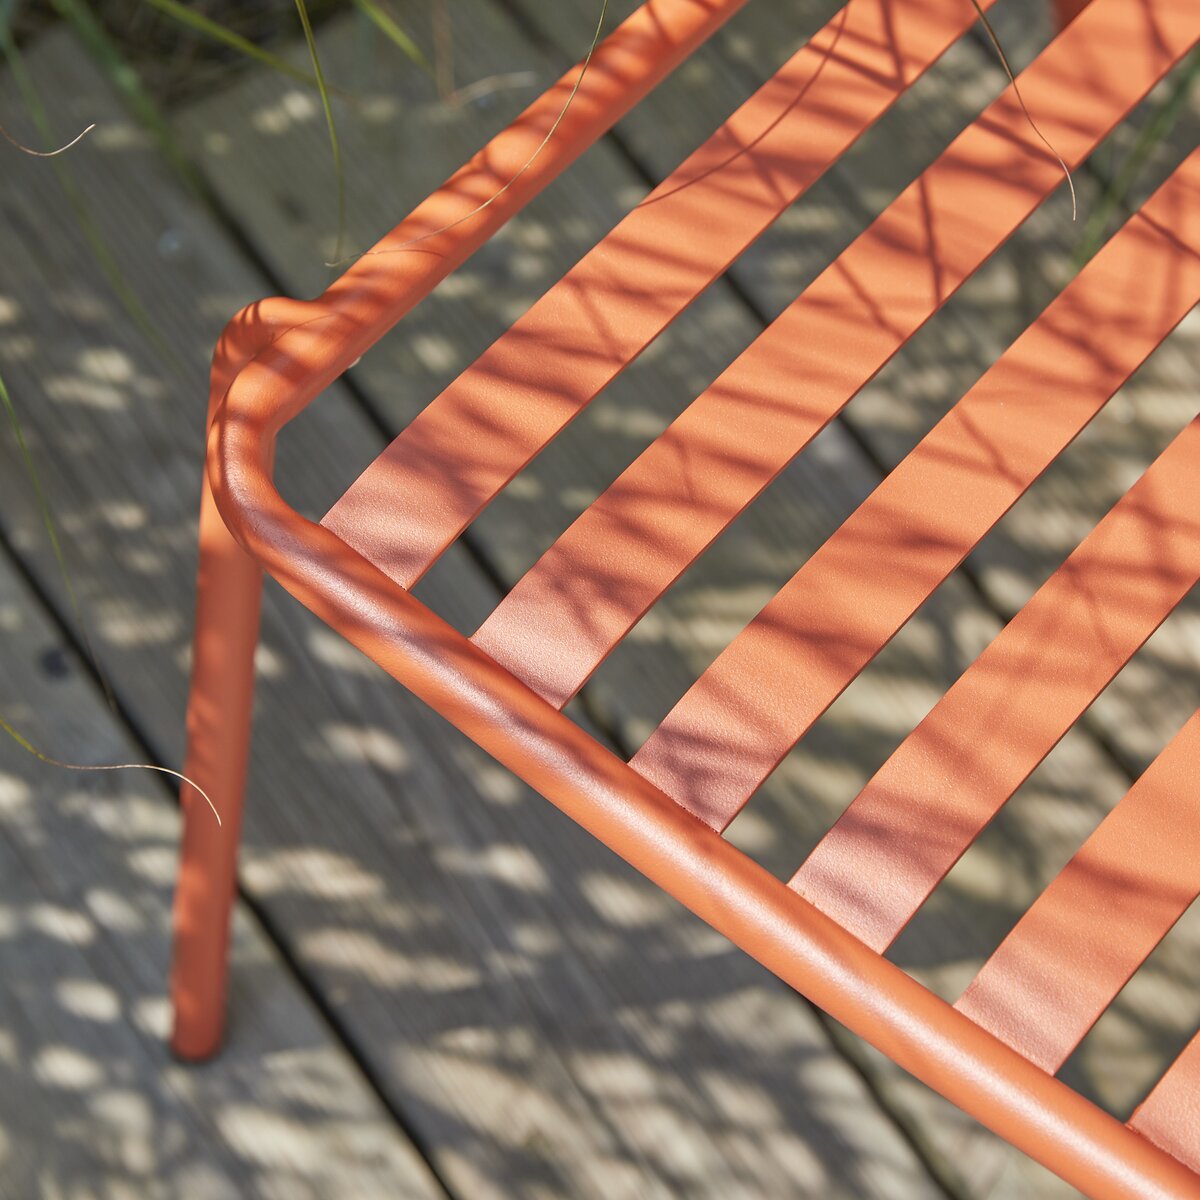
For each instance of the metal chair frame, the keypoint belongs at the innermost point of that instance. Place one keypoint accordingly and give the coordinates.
(995, 1052)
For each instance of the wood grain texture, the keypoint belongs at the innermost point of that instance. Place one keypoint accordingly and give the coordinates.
(545, 1021)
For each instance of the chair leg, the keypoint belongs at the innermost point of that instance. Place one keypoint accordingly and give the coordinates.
(218, 735)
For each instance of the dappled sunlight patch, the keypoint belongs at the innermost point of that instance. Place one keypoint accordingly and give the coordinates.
(536, 939)
(15, 795)
(268, 662)
(157, 865)
(741, 1102)
(509, 863)
(62, 924)
(126, 1117)
(272, 1139)
(497, 784)
(294, 107)
(89, 999)
(621, 1076)
(365, 744)
(436, 351)
(109, 363)
(67, 1068)
(626, 903)
(312, 871)
(363, 954)
(122, 625)
(332, 650)
(125, 515)
(151, 1015)
(132, 816)
(98, 394)
(115, 912)
(496, 1070)
(310, 1075)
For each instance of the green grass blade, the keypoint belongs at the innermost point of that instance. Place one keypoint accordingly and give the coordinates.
(334, 145)
(387, 25)
(8, 10)
(209, 28)
(19, 738)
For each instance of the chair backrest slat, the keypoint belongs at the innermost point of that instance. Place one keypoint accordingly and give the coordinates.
(1082, 939)
(946, 781)
(464, 447)
(765, 408)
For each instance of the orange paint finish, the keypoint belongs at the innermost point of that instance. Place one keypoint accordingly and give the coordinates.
(768, 405)
(1170, 1115)
(229, 588)
(670, 847)
(777, 677)
(278, 357)
(1083, 938)
(929, 801)
(465, 446)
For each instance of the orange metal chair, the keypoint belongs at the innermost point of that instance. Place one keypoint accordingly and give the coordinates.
(996, 1051)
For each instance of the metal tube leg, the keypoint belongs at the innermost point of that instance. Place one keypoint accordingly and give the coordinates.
(229, 597)
(228, 604)
(218, 736)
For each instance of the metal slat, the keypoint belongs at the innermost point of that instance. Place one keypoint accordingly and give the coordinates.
(1079, 943)
(465, 446)
(860, 587)
(1170, 1115)
(930, 800)
(737, 721)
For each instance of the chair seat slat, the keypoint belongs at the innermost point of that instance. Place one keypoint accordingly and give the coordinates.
(1170, 1115)
(436, 476)
(585, 594)
(1082, 939)
(930, 800)
(735, 724)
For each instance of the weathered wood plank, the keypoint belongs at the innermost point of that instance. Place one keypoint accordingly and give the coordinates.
(1076, 785)
(547, 1022)
(91, 1102)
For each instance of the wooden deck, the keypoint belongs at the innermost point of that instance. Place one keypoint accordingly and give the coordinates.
(441, 986)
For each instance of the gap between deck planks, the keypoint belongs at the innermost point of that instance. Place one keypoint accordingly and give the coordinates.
(406, 144)
(547, 1022)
